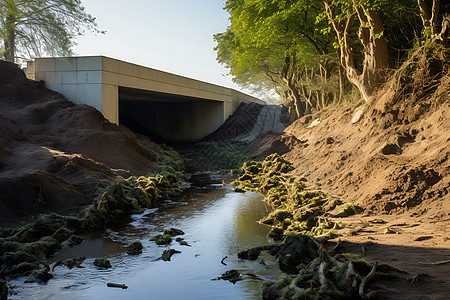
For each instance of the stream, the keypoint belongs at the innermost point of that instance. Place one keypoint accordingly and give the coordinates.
(217, 222)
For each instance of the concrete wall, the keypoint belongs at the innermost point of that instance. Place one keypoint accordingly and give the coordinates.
(96, 80)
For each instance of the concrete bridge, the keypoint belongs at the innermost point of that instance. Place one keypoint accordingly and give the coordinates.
(172, 107)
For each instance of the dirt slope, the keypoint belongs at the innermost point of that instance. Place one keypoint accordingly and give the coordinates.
(393, 161)
(54, 154)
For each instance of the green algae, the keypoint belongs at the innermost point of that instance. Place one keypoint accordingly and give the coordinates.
(295, 209)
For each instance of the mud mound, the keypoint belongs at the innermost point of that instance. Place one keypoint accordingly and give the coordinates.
(10, 73)
(271, 142)
(54, 155)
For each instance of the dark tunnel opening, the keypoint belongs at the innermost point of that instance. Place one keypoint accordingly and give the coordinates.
(168, 117)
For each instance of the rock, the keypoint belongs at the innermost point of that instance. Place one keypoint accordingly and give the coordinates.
(102, 263)
(70, 263)
(43, 275)
(295, 250)
(162, 239)
(270, 293)
(276, 233)
(344, 210)
(135, 248)
(390, 149)
(3, 290)
(75, 240)
(74, 262)
(239, 190)
(173, 232)
(167, 254)
(24, 268)
(232, 276)
(184, 243)
(282, 214)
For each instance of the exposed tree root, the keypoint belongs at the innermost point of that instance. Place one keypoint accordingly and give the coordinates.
(436, 263)
(366, 280)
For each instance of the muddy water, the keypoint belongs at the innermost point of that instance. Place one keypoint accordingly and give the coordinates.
(217, 223)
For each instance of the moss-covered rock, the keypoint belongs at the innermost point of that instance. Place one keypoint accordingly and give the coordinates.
(135, 248)
(74, 262)
(173, 232)
(162, 239)
(102, 263)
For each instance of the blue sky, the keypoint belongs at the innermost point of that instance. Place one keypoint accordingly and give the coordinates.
(175, 36)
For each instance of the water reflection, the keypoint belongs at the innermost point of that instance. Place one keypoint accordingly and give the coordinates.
(217, 224)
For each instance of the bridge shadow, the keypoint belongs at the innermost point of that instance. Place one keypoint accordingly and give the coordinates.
(137, 127)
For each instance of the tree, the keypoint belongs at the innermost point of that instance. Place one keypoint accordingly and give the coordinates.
(430, 19)
(289, 44)
(32, 28)
(275, 44)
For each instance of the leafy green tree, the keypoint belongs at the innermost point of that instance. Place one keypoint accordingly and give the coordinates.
(369, 30)
(287, 44)
(275, 44)
(31, 28)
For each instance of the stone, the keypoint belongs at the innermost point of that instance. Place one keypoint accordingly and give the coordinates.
(167, 254)
(102, 263)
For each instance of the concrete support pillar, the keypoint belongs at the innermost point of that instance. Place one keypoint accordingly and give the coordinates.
(110, 105)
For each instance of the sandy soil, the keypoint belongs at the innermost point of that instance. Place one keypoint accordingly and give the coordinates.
(393, 162)
(54, 154)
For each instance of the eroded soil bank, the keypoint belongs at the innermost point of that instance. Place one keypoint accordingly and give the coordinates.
(65, 170)
(390, 160)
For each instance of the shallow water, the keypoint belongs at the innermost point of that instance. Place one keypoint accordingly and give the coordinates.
(217, 223)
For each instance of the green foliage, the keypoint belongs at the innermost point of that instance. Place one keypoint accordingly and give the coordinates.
(38, 27)
(281, 45)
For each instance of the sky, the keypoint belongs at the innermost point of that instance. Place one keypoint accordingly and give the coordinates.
(175, 36)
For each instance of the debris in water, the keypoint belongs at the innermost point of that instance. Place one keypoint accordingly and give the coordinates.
(222, 261)
(116, 285)
(232, 276)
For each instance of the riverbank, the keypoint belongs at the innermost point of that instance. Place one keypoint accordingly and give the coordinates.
(389, 159)
(65, 171)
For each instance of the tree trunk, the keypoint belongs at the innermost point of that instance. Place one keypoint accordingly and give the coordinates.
(430, 21)
(375, 48)
(429, 16)
(10, 27)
